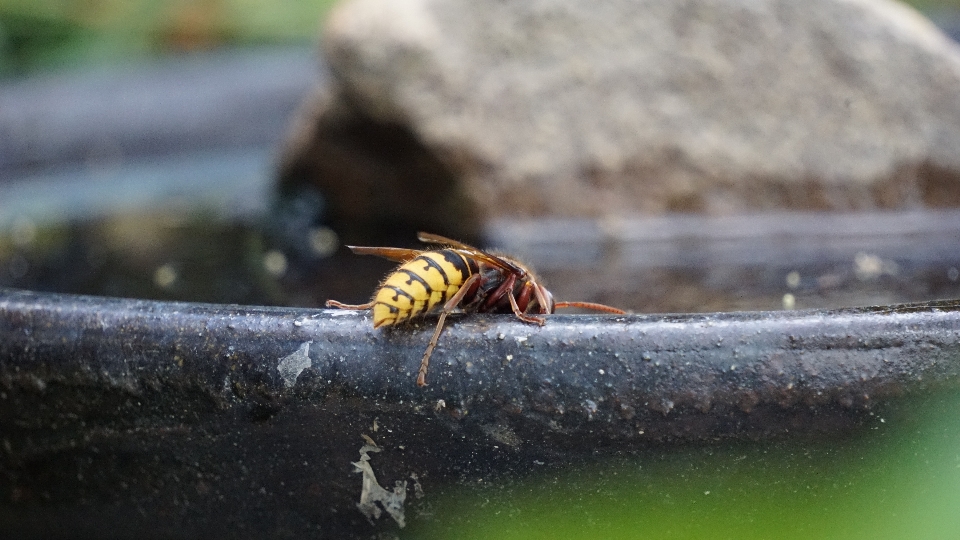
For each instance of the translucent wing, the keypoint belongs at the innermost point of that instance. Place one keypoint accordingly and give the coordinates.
(390, 253)
(488, 258)
(430, 238)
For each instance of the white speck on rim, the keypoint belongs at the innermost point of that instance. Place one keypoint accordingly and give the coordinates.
(292, 365)
(373, 496)
(340, 312)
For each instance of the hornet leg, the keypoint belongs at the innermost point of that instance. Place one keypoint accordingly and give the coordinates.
(451, 304)
(341, 305)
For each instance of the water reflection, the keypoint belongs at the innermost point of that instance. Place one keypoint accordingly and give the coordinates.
(670, 265)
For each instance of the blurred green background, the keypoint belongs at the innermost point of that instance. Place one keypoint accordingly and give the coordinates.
(63, 34)
(59, 34)
(898, 478)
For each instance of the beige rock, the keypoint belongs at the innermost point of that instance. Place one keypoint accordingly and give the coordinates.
(583, 108)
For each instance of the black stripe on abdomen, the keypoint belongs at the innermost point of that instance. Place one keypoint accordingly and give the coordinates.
(466, 267)
(415, 277)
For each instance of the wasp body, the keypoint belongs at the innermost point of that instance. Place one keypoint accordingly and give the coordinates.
(420, 285)
(456, 277)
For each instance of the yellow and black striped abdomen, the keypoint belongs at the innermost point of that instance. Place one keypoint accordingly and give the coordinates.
(420, 285)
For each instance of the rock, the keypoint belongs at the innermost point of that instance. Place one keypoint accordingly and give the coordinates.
(377, 179)
(582, 109)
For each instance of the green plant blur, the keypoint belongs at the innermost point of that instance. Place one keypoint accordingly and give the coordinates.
(58, 34)
(897, 479)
